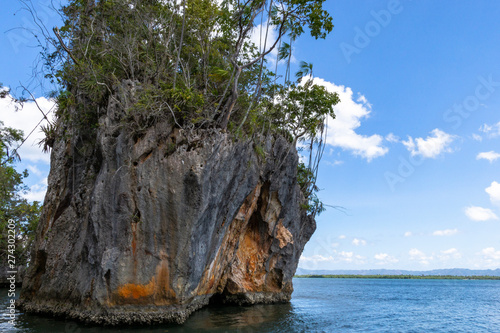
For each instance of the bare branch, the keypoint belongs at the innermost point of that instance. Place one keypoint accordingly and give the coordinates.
(61, 42)
(36, 103)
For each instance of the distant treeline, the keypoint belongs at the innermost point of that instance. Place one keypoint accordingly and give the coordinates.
(403, 277)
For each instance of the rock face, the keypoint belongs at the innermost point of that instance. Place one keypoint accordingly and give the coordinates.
(149, 229)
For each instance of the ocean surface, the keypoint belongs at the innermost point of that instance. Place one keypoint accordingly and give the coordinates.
(328, 305)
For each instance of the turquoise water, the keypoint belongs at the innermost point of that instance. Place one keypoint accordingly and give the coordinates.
(330, 305)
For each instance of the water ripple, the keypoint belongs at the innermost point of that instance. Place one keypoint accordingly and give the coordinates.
(328, 305)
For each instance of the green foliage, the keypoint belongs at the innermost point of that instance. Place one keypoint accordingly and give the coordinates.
(260, 151)
(12, 205)
(301, 110)
(194, 61)
(49, 132)
(307, 182)
(8, 137)
(193, 64)
(4, 92)
(107, 42)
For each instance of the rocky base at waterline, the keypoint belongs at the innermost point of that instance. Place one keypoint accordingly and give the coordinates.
(149, 228)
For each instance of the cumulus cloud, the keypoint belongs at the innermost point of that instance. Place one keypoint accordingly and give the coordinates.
(317, 258)
(489, 155)
(349, 257)
(408, 234)
(358, 242)
(450, 254)
(421, 257)
(490, 256)
(494, 193)
(446, 232)
(336, 257)
(349, 113)
(342, 236)
(384, 258)
(416, 253)
(26, 119)
(435, 144)
(476, 213)
(491, 253)
(491, 130)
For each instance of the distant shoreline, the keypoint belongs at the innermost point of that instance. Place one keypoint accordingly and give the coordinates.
(402, 277)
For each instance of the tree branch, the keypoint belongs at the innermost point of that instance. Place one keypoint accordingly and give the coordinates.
(56, 32)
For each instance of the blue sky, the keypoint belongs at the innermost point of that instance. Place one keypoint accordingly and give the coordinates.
(414, 153)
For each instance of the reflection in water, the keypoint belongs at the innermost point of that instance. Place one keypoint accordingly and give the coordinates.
(257, 318)
(326, 305)
(241, 319)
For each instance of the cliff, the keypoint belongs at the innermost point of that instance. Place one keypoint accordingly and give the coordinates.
(149, 228)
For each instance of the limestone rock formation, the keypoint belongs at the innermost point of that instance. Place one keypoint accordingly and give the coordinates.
(149, 229)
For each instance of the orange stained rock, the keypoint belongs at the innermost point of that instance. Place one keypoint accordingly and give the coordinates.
(254, 267)
(158, 290)
(134, 237)
(212, 278)
(136, 291)
(283, 235)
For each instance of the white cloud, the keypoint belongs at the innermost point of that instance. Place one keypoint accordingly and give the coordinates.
(450, 254)
(334, 163)
(434, 145)
(494, 193)
(358, 242)
(489, 155)
(26, 119)
(408, 234)
(37, 191)
(349, 257)
(446, 232)
(491, 252)
(349, 113)
(477, 137)
(480, 214)
(342, 236)
(258, 37)
(337, 257)
(317, 258)
(392, 138)
(491, 130)
(33, 169)
(384, 258)
(490, 256)
(417, 255)
(450, 251)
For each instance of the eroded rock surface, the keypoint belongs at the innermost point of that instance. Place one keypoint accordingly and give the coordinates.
(148, 229)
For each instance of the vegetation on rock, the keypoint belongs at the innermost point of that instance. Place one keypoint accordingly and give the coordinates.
(194, 64)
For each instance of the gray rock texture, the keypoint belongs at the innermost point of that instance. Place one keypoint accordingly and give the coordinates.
(149, 229)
